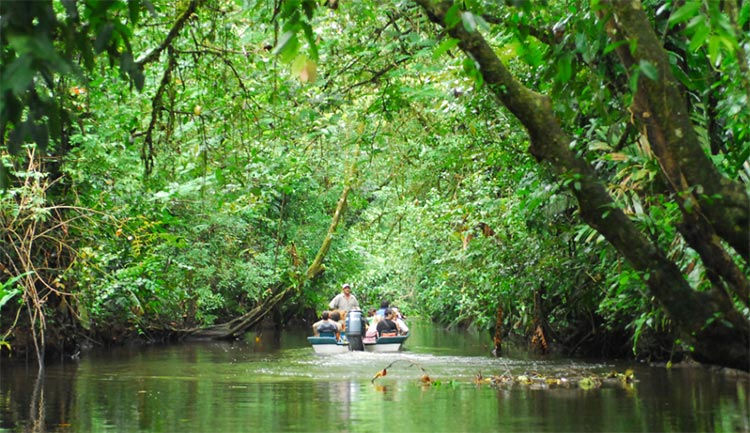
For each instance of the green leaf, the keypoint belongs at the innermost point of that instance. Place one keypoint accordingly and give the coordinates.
(744, 15)
(126, 63)
(649, 70)
(444, 47)
(713, 49)
(139, 78)
(7, 292)
(134, 10)
(310, 38)
(298, 64)
(470, 23)
(309, 7)
(287, 47)
(7, 296)
(19, 75)
(687, 11)
(564, 68)
(103, 38)
(452, 16)
(699, 37)
(472, 70)
(634, 80)
(613, 46)
(83, 315)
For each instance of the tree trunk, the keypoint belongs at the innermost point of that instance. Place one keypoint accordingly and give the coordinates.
(707, 320)
(711, 204)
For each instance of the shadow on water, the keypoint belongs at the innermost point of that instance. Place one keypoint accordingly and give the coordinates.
(274, 382)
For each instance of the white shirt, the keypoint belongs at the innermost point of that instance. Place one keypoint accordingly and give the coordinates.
(341, 302)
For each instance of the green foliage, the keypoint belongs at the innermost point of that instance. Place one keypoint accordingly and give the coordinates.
(42, 41)
(7, 292)
(253, 115)
(8, 289)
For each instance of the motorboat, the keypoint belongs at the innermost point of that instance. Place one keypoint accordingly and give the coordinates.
(327, 343)
(351, 340)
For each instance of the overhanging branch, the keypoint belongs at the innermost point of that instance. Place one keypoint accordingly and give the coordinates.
(154, 54)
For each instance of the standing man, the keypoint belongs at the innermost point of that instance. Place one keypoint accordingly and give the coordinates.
(344, 301)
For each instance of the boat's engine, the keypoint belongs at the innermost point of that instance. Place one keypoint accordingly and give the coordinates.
(355, 330)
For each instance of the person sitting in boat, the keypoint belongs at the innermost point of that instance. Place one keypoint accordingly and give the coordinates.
(370, 316)
(383, 306)
(403, 329)
(371, 336)
(325, 324)
(337, 319)
(387, 325)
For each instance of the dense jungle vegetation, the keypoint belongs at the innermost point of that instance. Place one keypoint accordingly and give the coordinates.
(573, 171)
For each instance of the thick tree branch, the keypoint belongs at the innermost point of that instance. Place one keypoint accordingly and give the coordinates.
(154, 54)
(316, 267)
(694, 312)
(147, 151)
(661, 108)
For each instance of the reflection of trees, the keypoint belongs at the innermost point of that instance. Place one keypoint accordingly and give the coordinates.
(38, 400)
(37, 407)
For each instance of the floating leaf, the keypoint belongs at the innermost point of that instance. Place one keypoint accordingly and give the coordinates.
(587, 383)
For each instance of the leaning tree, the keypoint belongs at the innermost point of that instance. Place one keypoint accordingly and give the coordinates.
(714, 209)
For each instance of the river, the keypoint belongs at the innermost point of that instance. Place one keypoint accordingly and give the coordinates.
(275, 383)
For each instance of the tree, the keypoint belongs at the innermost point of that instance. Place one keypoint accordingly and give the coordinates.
(43, 41)
(712, 206)
(215, 185)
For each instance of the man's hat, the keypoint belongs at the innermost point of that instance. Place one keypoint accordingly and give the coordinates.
(346, 285)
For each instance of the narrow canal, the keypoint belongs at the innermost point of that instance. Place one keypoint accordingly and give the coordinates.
(275, 383)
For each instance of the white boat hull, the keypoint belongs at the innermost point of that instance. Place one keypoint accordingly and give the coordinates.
(330, 349)
(387, 344)
(329, 345)
(384, 348)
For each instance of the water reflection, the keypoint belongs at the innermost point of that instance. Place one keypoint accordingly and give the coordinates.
(273, 382)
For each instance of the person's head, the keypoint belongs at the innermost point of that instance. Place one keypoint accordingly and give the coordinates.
(389, 313)
(384, 303)
(336, 316)
(325, 315)
(347, 289)
(371, 312)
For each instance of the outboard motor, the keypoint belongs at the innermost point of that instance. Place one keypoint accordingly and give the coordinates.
(355, 330)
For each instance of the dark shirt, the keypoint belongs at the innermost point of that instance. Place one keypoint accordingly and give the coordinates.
(328, 327)
(386, 325)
